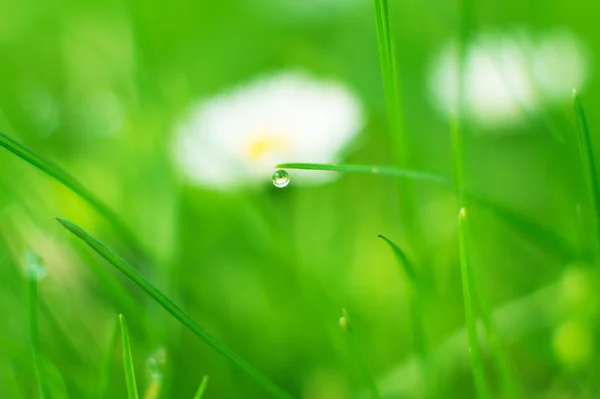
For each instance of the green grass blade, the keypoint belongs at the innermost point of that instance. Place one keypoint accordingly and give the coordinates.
(200, 392)
(498, 351)
(34, 271)
(373, 170)
(403, 261)
(389, 76)
(586, 151)
(476, 362)
(346, 325)
(132, 391)
(417, 313)
(71, 183)
(178, 313)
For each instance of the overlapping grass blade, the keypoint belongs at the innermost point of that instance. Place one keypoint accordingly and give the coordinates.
(346, 325)
(588, 160)
(545, 238)
(71, 183)
(133, 275)
(132, 391)
(202, 388)
(476, 362)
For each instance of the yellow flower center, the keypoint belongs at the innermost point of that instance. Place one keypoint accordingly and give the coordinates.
(263, 145)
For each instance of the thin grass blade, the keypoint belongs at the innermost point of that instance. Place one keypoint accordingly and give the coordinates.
(389, 76)
(346, 325)
(476, 362)
(60, 175)
(202, 388)
(34, 272)
(417, 314)
(405, 264)
(132, 391)
(588, 160)
(178, 313)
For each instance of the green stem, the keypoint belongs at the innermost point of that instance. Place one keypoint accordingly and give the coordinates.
(586, 151)
(476, 362)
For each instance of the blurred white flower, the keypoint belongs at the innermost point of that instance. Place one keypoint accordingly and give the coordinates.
(236, 138)
(560, 63)
(507, 76)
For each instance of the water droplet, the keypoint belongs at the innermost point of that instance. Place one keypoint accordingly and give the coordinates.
(35, 267)
(281, 178)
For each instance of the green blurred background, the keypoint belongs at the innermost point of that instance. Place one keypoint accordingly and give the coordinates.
(98, 88)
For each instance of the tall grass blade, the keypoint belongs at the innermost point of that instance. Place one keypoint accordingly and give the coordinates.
(34, 272)
(132, 391)
(71, 183)
(389, 76)
(178, 313)
(200, 392)
(498, 351)
(588, 160)
(346, 325)
(417, 314)
(476, 362)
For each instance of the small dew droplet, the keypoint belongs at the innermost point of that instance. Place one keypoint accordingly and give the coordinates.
(281, 178)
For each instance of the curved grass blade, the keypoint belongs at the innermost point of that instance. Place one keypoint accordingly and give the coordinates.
(71, 183)
(476, 363)
(346, 325)
(416, 314)
(544, 237)
(200, 392)
(132, 392)
(403, 261)
(170, 306)
(586, 151)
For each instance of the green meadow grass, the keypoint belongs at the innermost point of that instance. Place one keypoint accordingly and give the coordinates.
(499, 304)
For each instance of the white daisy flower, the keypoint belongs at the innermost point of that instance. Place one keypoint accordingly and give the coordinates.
(508, 76)
(496, 83)
(236, 138)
